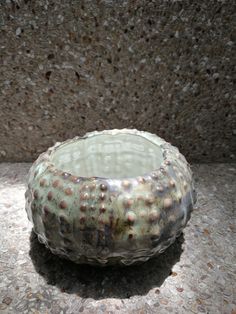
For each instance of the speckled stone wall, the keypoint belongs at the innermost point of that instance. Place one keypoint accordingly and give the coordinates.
(68, 67)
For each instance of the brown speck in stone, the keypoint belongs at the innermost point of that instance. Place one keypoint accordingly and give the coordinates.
(50, 195)
(50, 91)
(171, 183)
(173, 274)
(72, 36)
(164, 301)
(167, 162)
(51, 56)
(42, 182)
(109, 60)
(84, 196)
(56, 183)
(36, 194)
(48, 74)
(77, 76)
(167, 202)
(103, 187)
(157, 291)
(102, 196)
(210, 265)
(232, 227)
(130, 236)
(68, 191)
(102, 209)
(180, 289)
(7, 300)
(63, 204)
(206, 232)
(126, 184)
(83, 207)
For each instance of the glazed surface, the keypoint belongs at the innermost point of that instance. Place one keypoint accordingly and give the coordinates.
(111, 156)
(110, 221)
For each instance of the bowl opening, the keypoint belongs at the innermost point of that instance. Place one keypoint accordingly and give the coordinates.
(113, 156)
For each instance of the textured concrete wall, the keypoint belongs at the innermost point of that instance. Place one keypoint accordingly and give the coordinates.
(68, 67)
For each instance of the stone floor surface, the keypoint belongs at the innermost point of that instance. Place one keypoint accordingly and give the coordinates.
(197, 274)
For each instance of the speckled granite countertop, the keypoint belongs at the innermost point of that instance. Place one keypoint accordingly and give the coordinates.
(197, 274)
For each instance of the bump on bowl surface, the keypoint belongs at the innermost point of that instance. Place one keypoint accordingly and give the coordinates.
(110, 221)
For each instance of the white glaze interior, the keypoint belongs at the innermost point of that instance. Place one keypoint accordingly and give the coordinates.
(110, 156)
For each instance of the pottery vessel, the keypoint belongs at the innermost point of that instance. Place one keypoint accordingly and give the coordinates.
(110, 197)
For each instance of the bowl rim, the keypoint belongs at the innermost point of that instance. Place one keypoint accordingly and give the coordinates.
(151, 137)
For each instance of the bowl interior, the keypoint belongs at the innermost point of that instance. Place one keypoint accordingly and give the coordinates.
(108, 156)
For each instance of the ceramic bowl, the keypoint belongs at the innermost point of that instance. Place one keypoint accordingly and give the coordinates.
(110, 197)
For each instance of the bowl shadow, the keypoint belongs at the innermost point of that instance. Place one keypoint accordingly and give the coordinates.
(100, 283)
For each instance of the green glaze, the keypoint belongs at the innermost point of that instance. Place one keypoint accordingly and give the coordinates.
(111, 197)
(117, 156)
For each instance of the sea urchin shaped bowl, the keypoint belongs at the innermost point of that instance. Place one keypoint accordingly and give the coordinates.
(110, 197)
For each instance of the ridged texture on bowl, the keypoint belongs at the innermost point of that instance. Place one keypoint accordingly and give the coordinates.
(110, 221)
